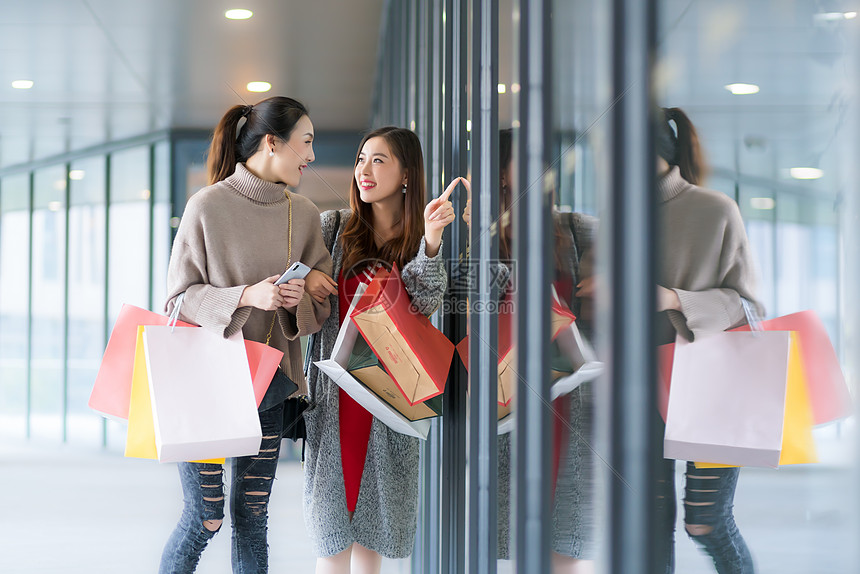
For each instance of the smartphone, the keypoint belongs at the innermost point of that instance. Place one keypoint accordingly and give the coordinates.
(297, 270)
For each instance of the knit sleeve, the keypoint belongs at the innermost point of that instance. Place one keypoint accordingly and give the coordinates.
(309, 315)
(211, 307)
(720, 308)
(425, 279)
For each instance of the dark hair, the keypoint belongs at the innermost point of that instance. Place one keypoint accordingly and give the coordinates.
(681, 149)
(357, 238)
(277, 116)
(506, 156)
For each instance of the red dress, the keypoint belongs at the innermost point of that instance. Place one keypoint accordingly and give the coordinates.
(354, 420)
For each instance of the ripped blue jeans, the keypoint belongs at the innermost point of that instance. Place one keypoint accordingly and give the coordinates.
(709, 495)
(203, 491)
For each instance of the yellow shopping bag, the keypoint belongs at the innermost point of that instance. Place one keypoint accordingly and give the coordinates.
(140, 439)
(798, 446)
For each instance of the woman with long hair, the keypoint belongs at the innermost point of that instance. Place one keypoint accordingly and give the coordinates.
(235, 239)
(361, 477)
(706, 270)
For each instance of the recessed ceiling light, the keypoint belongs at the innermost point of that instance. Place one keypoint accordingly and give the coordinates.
(77, 174)
(834, 16)
(22, 84)
(742, 89)
(502, 88)
(806, 172)
(238, 14)
(762, 203)
(259, 86)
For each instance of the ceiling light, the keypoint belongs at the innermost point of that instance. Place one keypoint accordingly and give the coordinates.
(742, 89)
(55, 205)
(515, 124)
(834, 16)
(762, 203)
(22, 84)
(77, 174)
(259, 86)
(515, 88)
(806, 172)
(468, 125)
(502, 88)
(145, 194)
(238, 14)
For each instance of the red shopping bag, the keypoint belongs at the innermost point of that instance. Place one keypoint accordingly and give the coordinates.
(111, 392)
(828, 392)
(561, 317)
(415, 353)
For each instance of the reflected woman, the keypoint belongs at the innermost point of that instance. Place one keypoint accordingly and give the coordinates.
(706, 270)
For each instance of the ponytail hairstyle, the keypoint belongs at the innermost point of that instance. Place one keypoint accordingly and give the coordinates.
(681, 149)
(357, 239)
(277, 116)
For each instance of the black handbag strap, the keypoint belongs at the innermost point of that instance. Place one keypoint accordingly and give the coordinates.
(330, 244)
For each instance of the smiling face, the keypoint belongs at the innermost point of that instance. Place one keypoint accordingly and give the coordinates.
(378, 173)
(294, 155)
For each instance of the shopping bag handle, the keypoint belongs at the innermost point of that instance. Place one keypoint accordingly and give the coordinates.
(753, 319)
(174, 315)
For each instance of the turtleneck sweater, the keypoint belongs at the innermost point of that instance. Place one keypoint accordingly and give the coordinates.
(705, 258)
(234, 234)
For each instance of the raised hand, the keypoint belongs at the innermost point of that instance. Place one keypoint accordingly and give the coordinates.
(437, 215)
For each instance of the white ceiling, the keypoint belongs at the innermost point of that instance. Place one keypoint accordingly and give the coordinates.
(110, 69)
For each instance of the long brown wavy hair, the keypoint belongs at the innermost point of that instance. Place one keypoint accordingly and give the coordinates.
(357, 238)
(277, 115)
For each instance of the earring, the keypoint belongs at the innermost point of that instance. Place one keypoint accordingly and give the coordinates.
(404, 188)
(272, 153)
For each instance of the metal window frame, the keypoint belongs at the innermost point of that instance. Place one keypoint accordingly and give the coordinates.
(484, 293)
(633, 533)
(532, 232)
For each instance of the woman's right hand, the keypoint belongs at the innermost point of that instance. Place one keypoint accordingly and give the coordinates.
(264, 295)
(319, 285)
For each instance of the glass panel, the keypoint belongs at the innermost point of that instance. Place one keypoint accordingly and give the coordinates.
(86, 294)
(128, 241)
(161, 239)
(14, 294)
(789, 115)
(48, 292)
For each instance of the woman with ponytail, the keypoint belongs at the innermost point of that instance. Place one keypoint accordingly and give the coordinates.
(236, 238)
(361, 477)
(706, 271)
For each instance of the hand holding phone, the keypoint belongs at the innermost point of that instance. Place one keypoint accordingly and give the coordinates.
(297, 270)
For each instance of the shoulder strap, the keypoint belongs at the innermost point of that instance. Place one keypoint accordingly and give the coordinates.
(313, 337)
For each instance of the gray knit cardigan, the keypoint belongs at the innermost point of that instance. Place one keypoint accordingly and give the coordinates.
(385, 517)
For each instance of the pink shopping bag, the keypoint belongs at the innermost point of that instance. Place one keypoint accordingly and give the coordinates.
(111, 392)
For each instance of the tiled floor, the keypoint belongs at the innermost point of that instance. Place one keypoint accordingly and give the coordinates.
(69, 511)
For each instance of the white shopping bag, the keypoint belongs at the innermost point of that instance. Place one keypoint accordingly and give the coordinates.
(586, 367)
(203, 404)
(335, 368)
(727, 398)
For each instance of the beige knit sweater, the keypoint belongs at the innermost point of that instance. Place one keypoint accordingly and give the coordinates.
(705, 257)
(234, 234)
